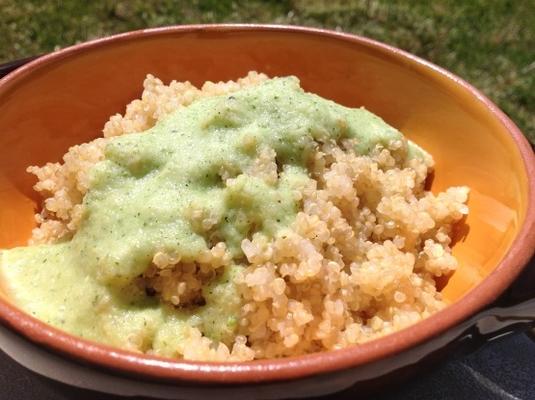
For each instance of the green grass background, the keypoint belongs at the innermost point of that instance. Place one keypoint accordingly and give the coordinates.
(490, 43)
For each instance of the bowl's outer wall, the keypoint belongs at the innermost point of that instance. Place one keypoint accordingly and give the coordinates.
(69, 101)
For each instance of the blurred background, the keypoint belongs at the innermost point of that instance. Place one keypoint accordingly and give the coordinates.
(490, 43)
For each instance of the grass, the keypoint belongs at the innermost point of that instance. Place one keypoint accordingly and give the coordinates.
(490, 43)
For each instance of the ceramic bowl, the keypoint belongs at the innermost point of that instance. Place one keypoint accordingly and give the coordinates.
(64, 98)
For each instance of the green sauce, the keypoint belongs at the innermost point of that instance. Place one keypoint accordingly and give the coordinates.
(140, 200)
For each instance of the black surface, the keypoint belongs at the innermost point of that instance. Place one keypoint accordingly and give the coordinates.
(503, 370)
(13, 65)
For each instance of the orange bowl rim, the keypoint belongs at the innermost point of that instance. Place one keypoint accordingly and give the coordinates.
(158, 368)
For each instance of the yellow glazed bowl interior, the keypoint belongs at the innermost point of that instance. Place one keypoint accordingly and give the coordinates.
(66, 101)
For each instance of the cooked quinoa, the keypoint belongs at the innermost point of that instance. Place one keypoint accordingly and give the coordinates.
(359, 260)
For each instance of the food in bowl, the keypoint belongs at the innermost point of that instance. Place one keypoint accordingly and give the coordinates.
(239, 221)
